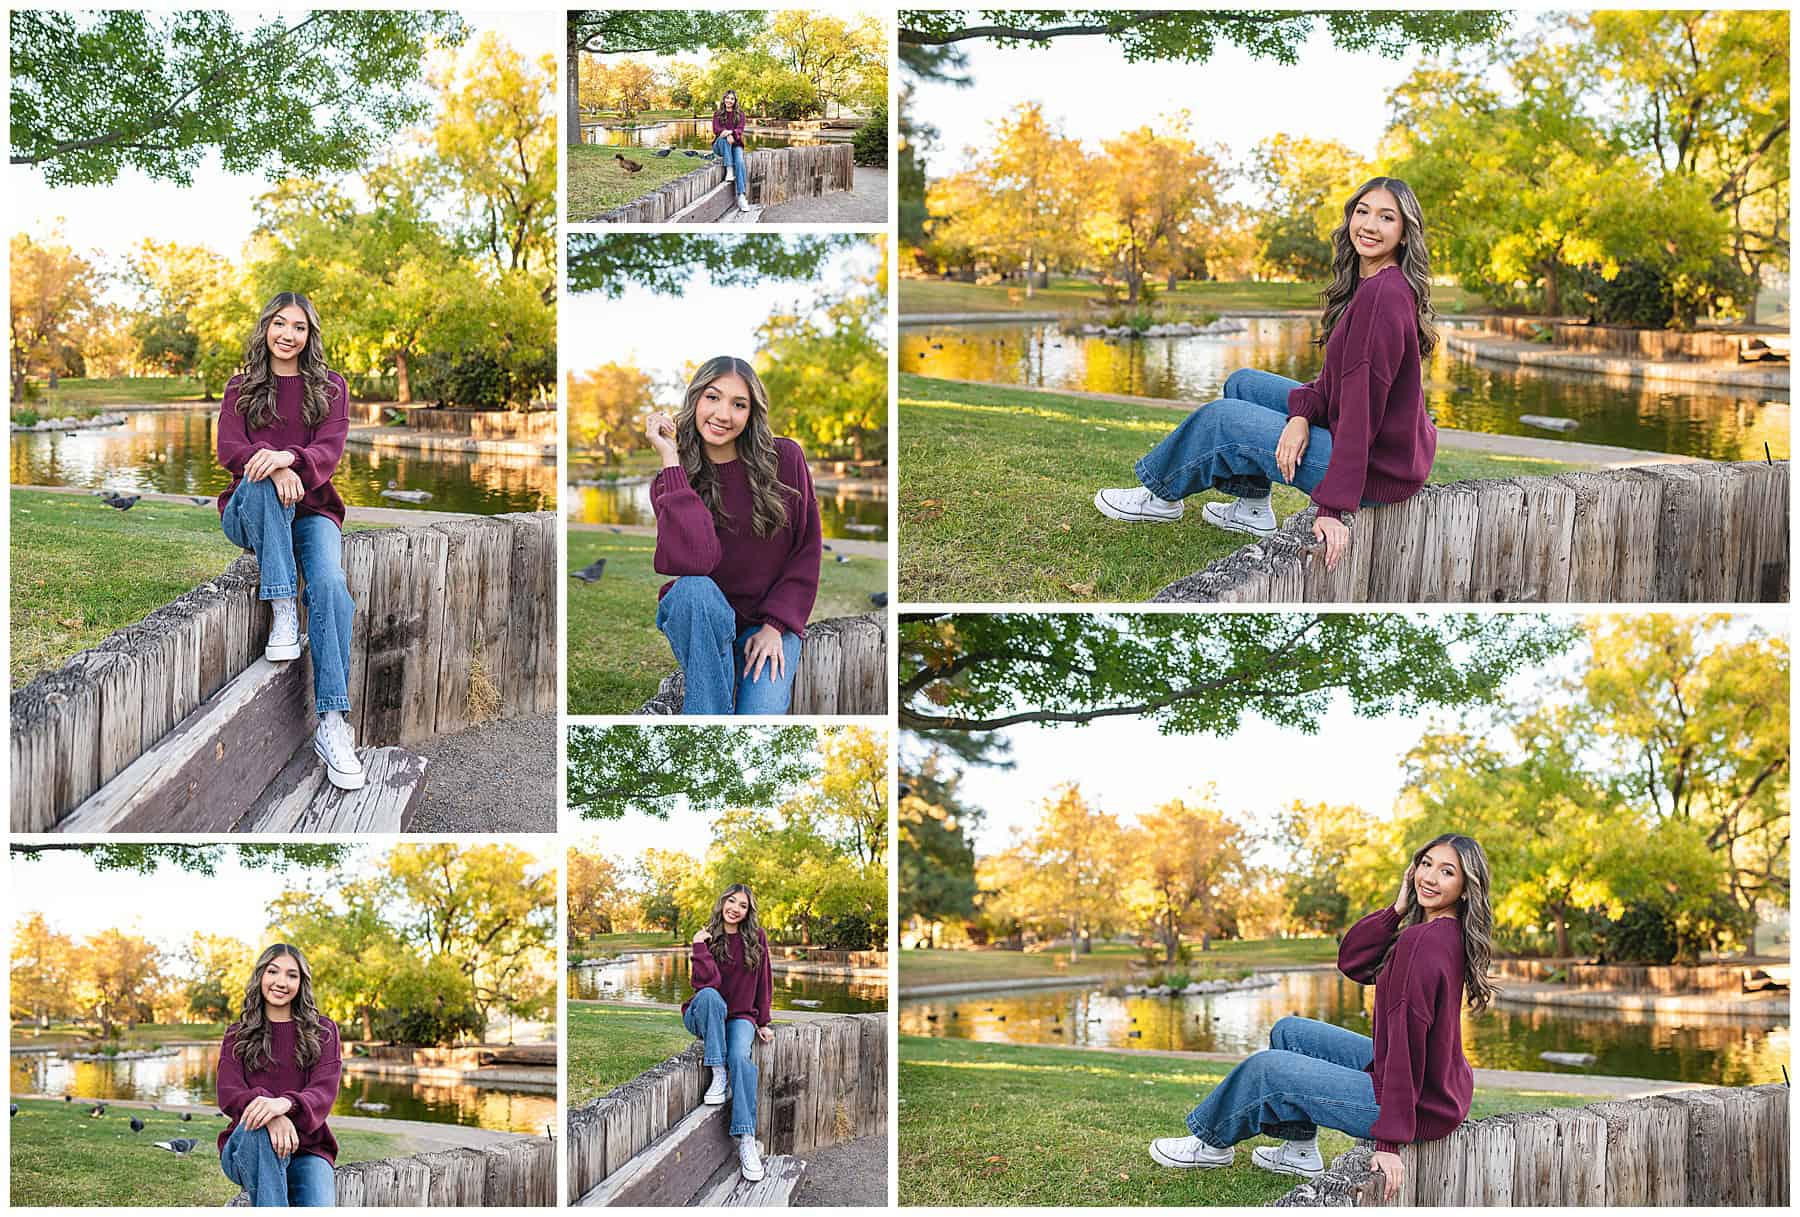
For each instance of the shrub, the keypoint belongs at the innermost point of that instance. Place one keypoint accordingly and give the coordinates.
(26, 417)
(482, 381)
(439, 1025)
(871, 139)
(847, 933)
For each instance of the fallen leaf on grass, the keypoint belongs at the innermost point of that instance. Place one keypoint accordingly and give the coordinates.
(1081, 589)
(1124, 1176)
(1064, 526)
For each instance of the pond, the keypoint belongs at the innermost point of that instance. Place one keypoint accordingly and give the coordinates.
(856, 512)
(663, 977)
(1729, 424)
(173, 451)
(694, 133)
(189, 1077)
(1686, 1048)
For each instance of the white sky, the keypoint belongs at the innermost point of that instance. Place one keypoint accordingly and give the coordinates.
(624, 841)
(662, 334)
(218, 209)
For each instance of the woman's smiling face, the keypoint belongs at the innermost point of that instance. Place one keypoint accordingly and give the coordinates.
(281, 982)
(288, 332)
(723, 411)
(1438, 879)
(735, 908)
(1376, 226)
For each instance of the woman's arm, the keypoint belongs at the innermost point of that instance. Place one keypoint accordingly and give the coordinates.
(1365, 943)
(788, 603)
(235, 1090)
(687, 540)
(235, 447)
(704, 971)
(1405, 1019)
(318, 461)
(1373, 350)
(313, 1104)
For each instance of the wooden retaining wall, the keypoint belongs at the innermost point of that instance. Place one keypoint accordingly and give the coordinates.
(485, 424)
(452, 619)
(818, 1083)
(776, 175)
(1641, 978)
(1707, 532)
(509, 1174)
(1704, 345)
(1694, 1148)
(843, 670)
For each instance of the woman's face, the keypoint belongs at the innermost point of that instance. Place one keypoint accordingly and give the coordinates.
(288, 332)
(1376, 226)
(735, 908)
(1438, 879)
(731, 101)
(280, 982)
(723, 410)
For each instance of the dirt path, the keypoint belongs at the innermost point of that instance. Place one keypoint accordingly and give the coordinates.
(852, 1173)
(497, 777)
(866, 202)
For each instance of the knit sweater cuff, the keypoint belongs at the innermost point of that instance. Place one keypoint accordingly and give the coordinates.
(672, 477)
(1386, 1147)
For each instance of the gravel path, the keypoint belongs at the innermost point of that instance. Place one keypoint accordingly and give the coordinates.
(498, 777)
(851, 1173)
(865, 203)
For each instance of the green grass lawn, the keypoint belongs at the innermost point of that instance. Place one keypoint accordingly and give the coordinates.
(610, 944)
(1000, 1124)
(61, 1156)
(997, 489)
(599, 183)
(147, 1035)
(610, 1044)
(617, 656)
(1108, 959)
(1067, 295)
(81, 570)
(83, 398)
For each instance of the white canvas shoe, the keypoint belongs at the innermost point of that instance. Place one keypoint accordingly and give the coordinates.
(336, 745)
(720, 1090)
(743, 202)
(284, 631)
(1291, 1158)
(1186, 1153)
(1137, 505)
(750, 1161)
(1253, 516)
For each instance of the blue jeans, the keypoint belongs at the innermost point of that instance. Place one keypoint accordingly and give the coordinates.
(1229, 444)
(286, 547)
(1312, 1074)
(733, 155)
(701, 627)
(303, 1181)
(726, 1041)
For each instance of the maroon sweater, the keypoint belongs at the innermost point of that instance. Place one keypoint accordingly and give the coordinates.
(733, 122)
(770, 580)
(1423, 1082)
(317, 450)
(747, 993)
(1369, 397)
(312, 1091)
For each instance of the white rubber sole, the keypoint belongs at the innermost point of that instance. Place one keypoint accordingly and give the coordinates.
(1264, 1157)
(277, 652)
(1213, 513)
(1163, 1159)
(340, 779)
(1106, 508)
(709, 1101)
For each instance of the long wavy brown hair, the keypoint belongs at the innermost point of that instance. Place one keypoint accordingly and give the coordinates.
(769, 495)
(1474, 913)
(255, 1034)
(1413, 256)
(749, 929)
(256, 377)
(738, 109)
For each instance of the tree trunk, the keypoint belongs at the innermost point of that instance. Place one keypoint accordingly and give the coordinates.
(1030, 271)
(1562, 933)
(402, 379)
(18, 379)
(1074, 941)
(368, 1022)
(1171, 937)
(1552, 291)
(572, 119)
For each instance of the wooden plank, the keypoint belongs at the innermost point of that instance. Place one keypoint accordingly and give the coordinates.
(302, 799)
(493, 546)
(1440, 1167)
(585, 1152)
(1597, 539)
(1349, 583)
(817, 681)
(207, 772)
(1536, 1182)
(545, 698)
(1394, 573)
(393, 618)
(460, 617)
(421, 654)
(1549, 534)
(1679, 535)
(1630, 1152)
(360, 549)
(1708, 1152)
(1489, 1181)
(1446, 565)
(782, 1174)
(672, 1168)
(1762, 575)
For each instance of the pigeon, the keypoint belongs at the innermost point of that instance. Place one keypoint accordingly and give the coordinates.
(937, 346)
(200, 500)
(930, 1018)
(98, 1109)
(123, 502)
(187, 1116)
(179, 1145)
(1137, 1035)
(689, 152)
(137, 1125)
(154, 1107)
(614, 528)
(840, 559)
(878, 599)
(68, 1098)
(592, 571)
(828, 549)
(662, 153)
(14, 1111)
(630, 166)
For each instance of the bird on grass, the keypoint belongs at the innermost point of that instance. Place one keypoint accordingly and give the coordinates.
(137, 1125)
(878, 599)
(840, 559)
(592, 571)
(187, 1116)
(122, 502)
(68, 1098)
(691, 152)
(629, 165)
(615, 529)
(14, 1111)
(662, 153)
(179, 1146)
(200, 500)
(98, 1109)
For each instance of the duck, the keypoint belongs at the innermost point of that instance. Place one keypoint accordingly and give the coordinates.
(630, 165)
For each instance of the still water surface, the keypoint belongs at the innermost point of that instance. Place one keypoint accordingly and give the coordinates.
(664, 978)
(855, 512)
(691, 133)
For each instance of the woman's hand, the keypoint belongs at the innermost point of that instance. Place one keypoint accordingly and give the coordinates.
(283, 1136)
(701, 937)
(765, 1034)
(1335, 536)
(262, 1110)
(266, 461)
(1290, 449)
(660, 427)
(288, 487)
(1391, 1170)
(1405, 888)
(765, 647)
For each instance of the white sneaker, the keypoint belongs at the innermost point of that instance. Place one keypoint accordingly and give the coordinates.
(1253, 516)
(336, 746)
(743, 202)
(284, 634)
(750, 1158)
(1291, 1158)
(730, 175)
(720, 1090)
(1137, 506)
(1185, 1153)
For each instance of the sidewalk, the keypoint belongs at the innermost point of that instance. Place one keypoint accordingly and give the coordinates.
(865, 203)
(1538, 355)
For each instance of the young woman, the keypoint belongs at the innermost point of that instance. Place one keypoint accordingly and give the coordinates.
(730, 1005)
(1357, 435)
(1425, 955)
(737, 524)
(728, 142)
(281, 434)
(278, 1077)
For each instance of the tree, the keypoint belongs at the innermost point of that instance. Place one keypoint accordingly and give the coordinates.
(97, 93)
(606, 406)
(937, 851)
(44, 964)
(667, 875)
(1191, 673)
(839, 57)
(826, 371)
(852, 788)
(1191, 857)
(1303, 183)
(115, 979)
(597, 896)
(145, 858)
(357, 955)
(1154, 196)
(171, 279)
(1078, 856)
(627, 87)
(615, 770)
(54, 290)
(218, 968)
(1029, 192)
(666, 262)
(645, 32)
(1319, 839)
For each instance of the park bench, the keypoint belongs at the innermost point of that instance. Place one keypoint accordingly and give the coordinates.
(178, 723)
(776, 175)
(1695, 1148)
(1702, 532)
(652, 1142)
(516, 1173)
(843, 670)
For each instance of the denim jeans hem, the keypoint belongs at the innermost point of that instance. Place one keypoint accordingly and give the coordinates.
(279, 591)
(328, 705)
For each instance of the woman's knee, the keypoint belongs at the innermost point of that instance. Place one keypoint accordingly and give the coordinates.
(696, 595)
(1282, 1033)
(706, 1000)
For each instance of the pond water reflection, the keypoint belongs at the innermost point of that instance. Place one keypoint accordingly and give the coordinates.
(663, 977)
